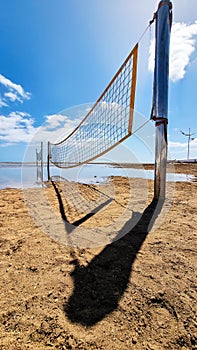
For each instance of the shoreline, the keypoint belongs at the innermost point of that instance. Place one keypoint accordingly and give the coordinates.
(180, 169)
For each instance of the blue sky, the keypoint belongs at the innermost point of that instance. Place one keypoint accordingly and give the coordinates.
(59, 54)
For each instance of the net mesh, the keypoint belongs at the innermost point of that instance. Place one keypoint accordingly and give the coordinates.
(108, 123)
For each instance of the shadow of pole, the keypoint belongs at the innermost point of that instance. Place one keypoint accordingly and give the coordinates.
(99, 286)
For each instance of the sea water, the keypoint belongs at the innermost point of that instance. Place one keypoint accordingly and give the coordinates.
(18, 175)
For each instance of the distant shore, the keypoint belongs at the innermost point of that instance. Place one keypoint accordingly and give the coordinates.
(147, 166)
(179, 167)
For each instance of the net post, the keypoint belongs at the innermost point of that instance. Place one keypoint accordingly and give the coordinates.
(41, 161)
(36, 164)
(48, 160)
(160, 95)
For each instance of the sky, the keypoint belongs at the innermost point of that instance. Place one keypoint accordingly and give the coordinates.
(56, 55)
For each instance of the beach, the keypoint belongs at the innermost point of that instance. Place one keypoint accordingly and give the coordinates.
(116, 282)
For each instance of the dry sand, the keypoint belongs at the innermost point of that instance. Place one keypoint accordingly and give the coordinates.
(135, 293)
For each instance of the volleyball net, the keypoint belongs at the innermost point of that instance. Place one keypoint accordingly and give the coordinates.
(108, 123)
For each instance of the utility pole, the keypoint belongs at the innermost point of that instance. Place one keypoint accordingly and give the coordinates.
(189, 140)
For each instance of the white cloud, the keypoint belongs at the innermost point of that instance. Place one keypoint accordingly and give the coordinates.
(16, 127)
(181, 47)
(178, 145)
(12, 96)
(19, 127)
(178, 150)
(54, 120)
(15, 91)
(56, 128)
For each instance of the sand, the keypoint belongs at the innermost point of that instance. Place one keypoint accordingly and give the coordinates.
(138, 292)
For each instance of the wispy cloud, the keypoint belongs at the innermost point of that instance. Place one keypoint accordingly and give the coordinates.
(14, 92)
(3, 103)
(181, 48)
(12, 96)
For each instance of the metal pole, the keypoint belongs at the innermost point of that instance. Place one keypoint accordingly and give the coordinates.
(41, 161)
(160, 95)
(36, 165)
(48, 160)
